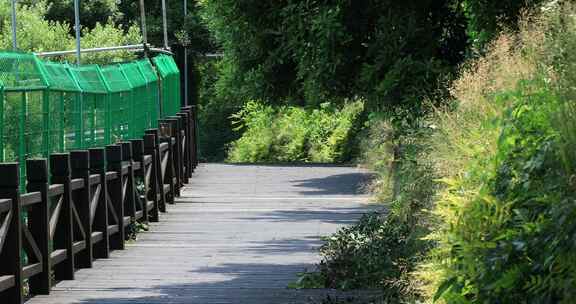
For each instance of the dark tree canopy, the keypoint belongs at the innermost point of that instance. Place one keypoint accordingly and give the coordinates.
(385, 51)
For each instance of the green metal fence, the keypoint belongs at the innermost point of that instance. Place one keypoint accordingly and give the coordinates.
(48, 107)
(170, 83)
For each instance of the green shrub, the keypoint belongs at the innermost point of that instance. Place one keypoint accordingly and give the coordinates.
(287, 134)
(255, 145)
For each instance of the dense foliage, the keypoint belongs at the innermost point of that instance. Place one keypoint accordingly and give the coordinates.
(395, 55)
(495, 169)
(486, 18)
(293, 134)
(309, 51)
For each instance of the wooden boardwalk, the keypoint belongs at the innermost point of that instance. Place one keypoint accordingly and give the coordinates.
(238, 234)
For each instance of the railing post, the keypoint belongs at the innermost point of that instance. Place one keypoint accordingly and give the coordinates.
(64, 236)
(80, 161)
(114, 157)
(195, 135)
(98, 166)
(11, 252)
(39, 222)
(142, 174)
(181, 125)
(191, 137)
(152, 145)
(129, 197)
(176, 127)
(185, 115)
(150, 148)
(170, 172)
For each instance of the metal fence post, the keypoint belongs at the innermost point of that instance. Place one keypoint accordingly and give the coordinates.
(14, 26)
(77, 24)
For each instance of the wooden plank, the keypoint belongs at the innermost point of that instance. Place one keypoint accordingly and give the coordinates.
(112, 229)
(94, 179)
(97, 236)
(29, 199)
(58, 256)
(55, 190)
(76, 184)
(78, 246)
(5, 205)
(110, 175)
(6, 282)
(31, 270)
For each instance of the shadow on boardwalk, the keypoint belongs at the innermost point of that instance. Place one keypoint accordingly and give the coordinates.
(332, 215)
(238, 288)
(339, 184)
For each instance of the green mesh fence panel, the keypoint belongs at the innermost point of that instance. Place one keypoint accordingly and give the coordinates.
(93, 110)
(24, 108)
(120, 103)
(64, 109)
(21, 71)
(48, 107)
(170, 83)
(175, 84)
(139, 108)
(152, 90)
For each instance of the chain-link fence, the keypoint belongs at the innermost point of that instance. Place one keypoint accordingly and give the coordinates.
(48, 107)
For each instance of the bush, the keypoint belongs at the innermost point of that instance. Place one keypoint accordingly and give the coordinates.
(287, 134)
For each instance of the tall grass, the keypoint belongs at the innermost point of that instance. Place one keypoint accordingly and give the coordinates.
(506, 209)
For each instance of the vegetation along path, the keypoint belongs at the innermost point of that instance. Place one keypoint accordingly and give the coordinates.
(238, 234)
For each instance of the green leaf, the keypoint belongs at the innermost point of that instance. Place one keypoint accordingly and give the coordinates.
(444, 287)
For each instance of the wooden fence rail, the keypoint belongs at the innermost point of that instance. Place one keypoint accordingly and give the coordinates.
(79, 206)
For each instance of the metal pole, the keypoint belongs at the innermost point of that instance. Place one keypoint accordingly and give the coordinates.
(143, 21)
(165, 24)
(14, 25)
(77, 24)
(186, 103)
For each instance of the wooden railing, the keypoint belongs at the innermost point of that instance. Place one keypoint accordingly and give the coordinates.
(78, 205)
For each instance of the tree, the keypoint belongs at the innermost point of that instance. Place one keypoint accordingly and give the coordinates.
(389, 52)
(487, 18)
(91, 12)
(34, 33)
